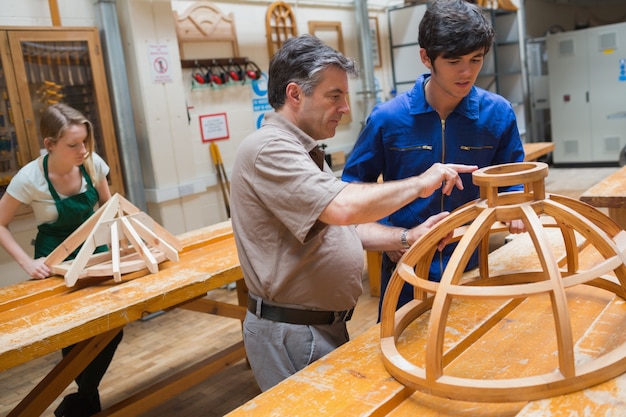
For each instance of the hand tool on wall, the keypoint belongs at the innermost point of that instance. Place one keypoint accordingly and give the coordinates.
(30, 65)
(50, 92)
(51, 75)
(222, 178)
(57, 53)
(42, 77)
(68, 65)
(78, 64)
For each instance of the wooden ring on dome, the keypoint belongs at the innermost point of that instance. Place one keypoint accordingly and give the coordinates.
(530, 174)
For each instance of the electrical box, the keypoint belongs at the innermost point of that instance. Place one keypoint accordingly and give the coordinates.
(587, 82)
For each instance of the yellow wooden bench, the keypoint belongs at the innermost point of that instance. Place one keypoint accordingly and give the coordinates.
(40, 317)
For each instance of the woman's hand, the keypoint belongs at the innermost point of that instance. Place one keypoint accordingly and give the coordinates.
(37, 269)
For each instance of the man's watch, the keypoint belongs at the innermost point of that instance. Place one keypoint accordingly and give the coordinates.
(403, 236)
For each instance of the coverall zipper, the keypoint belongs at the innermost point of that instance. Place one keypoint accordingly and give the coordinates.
(409, 148)
(443, 160)
(470, 148)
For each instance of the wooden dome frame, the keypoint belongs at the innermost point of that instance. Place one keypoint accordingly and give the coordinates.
(472, 225)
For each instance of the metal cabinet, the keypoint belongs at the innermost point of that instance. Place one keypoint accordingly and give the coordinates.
(43, 66)
(587, 81)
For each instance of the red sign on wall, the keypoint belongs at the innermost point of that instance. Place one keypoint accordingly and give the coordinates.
(214, 127)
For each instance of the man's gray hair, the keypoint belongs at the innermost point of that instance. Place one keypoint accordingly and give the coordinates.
(301, 60)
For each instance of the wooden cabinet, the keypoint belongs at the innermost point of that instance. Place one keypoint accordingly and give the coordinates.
(43, 66)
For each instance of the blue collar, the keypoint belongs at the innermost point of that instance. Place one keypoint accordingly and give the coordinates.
(468, 107)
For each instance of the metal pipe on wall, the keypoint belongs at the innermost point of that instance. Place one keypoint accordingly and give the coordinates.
(111, 39)
(367, 59)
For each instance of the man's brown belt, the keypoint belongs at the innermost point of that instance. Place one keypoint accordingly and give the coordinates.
(297, 316)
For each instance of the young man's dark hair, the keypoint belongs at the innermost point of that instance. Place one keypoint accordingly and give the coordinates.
(454, 28)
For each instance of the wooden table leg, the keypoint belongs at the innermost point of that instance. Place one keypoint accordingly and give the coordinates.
(156, 394)
(40, 398)
(374, 261)
(150, 397)
(619, 215)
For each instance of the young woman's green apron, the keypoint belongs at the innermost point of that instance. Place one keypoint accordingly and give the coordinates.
(73, 211)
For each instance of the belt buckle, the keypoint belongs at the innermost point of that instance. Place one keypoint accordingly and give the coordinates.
(343, 316)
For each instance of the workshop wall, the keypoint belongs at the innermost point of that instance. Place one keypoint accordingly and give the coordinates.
(544, 16)
(178, 174)
(181, 186)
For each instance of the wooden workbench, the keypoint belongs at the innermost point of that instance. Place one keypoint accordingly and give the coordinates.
(611, 193)
(40, 317)
(352, 380)
(535, 150)
(532, 151)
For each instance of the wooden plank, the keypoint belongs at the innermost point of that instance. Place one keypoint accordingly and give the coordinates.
(610, 192)
(91, 313)
(535, 150)
(62, 375)
(26, 331)
(350, 381)
(54, 12)
(206, 305)
(25, 292)
(81, 234)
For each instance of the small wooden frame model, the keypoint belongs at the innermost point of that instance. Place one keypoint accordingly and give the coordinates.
(135, 242)
(435, 346)
(204, 22)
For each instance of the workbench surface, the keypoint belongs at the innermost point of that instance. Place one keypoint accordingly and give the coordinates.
(38, 317)
(611, 193)
(353, 381)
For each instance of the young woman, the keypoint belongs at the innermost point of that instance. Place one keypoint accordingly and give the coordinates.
(62, 187)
